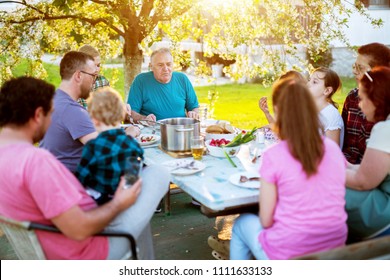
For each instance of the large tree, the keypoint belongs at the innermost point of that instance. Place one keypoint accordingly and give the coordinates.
(56, 26)
(262, 36)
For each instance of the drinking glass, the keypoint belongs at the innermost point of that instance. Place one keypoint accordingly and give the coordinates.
(197, 147)
(133, 170)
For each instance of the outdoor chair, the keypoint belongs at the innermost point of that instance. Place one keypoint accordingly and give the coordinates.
(373, 249)
(26, 246)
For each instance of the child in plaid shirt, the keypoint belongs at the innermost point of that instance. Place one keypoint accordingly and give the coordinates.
(103, 158)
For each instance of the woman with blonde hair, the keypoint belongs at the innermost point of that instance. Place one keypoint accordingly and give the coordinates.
(301, 205)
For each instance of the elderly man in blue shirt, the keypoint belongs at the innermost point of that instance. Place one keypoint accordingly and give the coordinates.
(162, 93)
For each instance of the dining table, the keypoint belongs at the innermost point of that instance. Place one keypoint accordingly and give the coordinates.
(214, 182)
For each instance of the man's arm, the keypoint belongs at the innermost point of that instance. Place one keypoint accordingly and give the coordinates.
(138, 117)
(84, 139)
(194, 113)
(78, 224)
(192, 104)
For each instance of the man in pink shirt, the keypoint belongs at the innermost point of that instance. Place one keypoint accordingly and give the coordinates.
(35, 186)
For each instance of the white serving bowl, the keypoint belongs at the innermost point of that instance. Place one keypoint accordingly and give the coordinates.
(218, 151)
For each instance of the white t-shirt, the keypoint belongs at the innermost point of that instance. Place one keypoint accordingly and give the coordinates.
(331, 120)
(380, 137)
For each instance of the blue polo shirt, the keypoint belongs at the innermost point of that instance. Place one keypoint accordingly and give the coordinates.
(171, 100)
(69, 122)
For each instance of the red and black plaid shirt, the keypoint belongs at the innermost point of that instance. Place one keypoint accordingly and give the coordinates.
(357, 128)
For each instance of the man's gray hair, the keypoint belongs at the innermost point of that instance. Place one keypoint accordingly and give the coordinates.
(161, 50)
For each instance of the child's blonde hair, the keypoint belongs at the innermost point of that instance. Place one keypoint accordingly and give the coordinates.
(106, 106)
(88, 49)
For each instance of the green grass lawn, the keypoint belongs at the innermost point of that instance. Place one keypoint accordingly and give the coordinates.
(237, 103)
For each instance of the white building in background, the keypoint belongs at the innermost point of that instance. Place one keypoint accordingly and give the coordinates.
(361, 32)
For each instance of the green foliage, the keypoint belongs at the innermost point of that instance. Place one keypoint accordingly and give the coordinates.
(264, 36)
(114, 27)
(261, 36)
(319, 58)
(242, 138)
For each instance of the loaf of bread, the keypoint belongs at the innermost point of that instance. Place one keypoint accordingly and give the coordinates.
(220, 128)
(215, 129)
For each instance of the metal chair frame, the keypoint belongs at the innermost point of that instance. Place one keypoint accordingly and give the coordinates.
(21, 236)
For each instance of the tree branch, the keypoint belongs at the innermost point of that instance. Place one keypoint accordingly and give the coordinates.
(101, 2)
(23, 3)
(93, 22)
(146, 8)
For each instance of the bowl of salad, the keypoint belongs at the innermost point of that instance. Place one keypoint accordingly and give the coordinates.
(216, 147)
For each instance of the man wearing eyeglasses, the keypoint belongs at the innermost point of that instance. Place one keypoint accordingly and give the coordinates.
(71, 126)
(357, 128)
(162, 93)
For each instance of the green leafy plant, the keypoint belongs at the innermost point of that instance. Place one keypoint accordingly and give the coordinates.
(228, 158)
(242, 138)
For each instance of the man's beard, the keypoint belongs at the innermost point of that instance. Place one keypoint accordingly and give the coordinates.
(85, 92)
(39, 134)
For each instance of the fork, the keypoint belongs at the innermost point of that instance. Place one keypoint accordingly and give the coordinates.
(186, 166)
(244, 179)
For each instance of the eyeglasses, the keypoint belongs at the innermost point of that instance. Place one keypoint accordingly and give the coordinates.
(360, 68)
(94, 76)
(369, 77)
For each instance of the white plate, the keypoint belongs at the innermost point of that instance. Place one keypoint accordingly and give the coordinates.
(143, 136)
(235, 180)
(173, 165)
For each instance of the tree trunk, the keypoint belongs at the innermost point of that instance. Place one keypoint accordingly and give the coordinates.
(133, 63)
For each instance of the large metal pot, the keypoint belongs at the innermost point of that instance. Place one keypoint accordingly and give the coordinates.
(176, 133)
